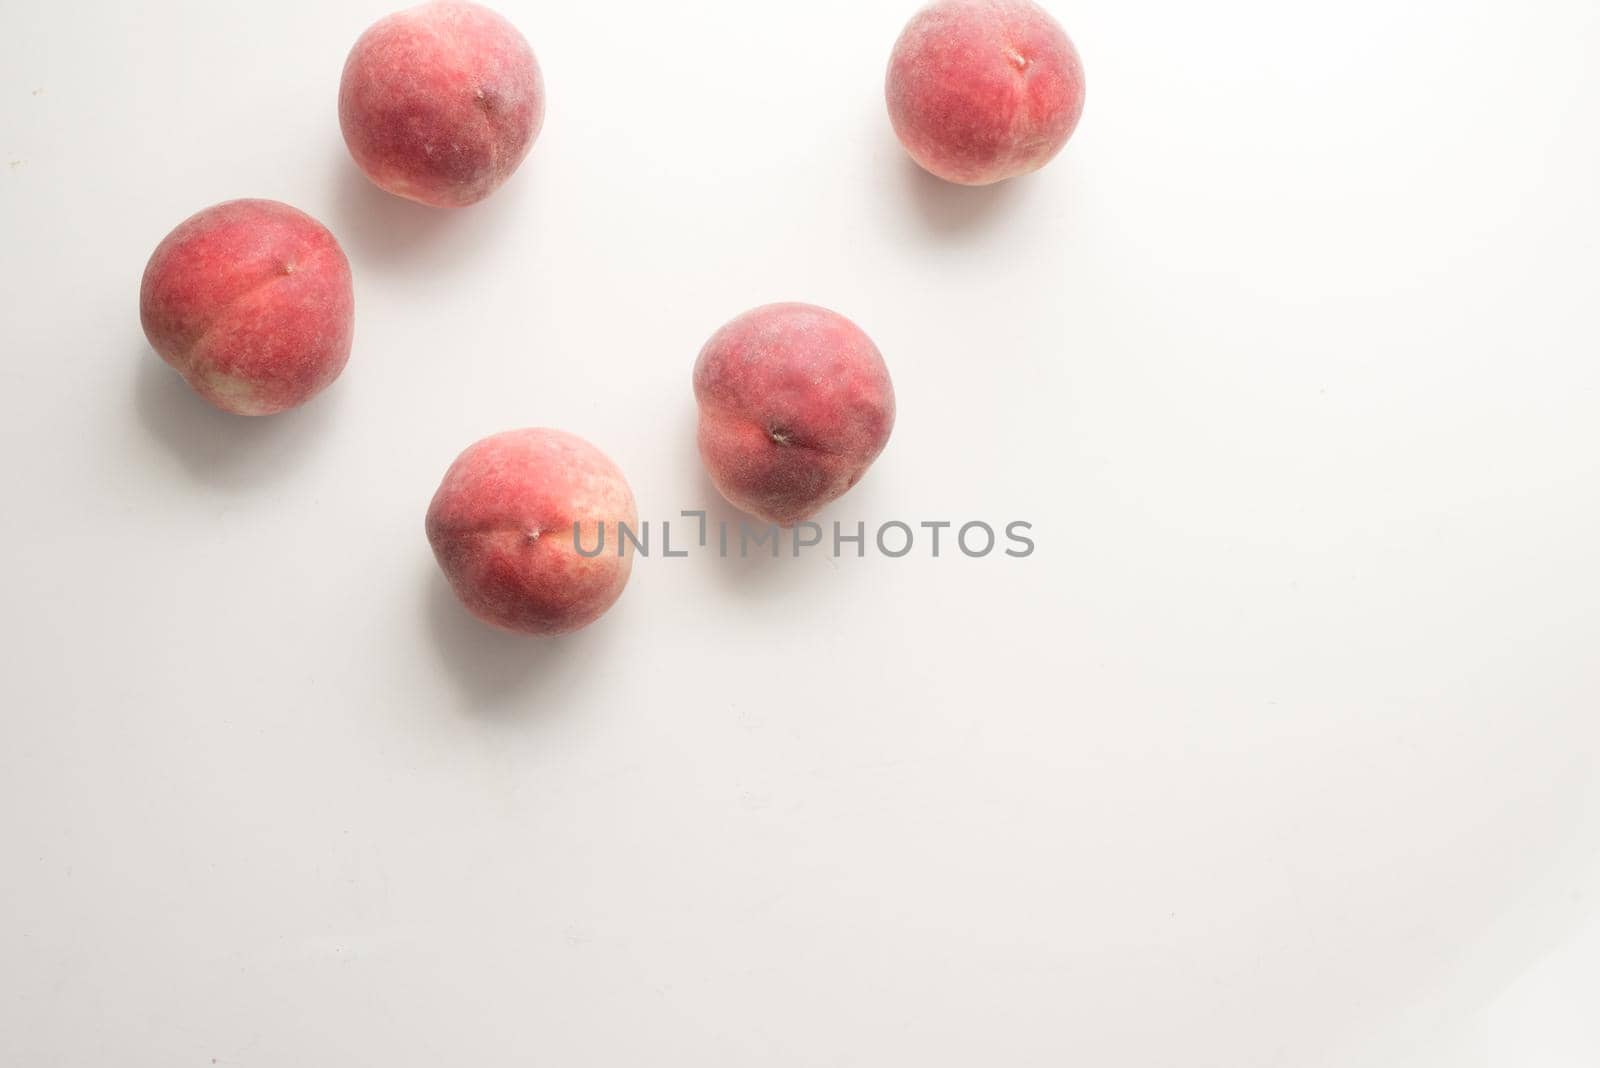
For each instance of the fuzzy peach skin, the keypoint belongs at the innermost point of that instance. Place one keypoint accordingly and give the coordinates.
(251, 301)
(795, 404)
(501, 527)
(441, 103)
(984, 90)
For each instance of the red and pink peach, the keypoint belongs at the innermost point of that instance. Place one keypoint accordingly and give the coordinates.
(252, 302)
(795, 405)
(984, 90)
(441, 103)
(508, 522)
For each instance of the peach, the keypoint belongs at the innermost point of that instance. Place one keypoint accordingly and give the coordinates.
(795, 404)
(441, 103)
(251, 301)
(984, 90)
(510, 519)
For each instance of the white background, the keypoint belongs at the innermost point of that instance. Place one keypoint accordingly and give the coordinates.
(1280, 751)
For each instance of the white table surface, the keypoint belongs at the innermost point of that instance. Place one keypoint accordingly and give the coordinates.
(1279, 751)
